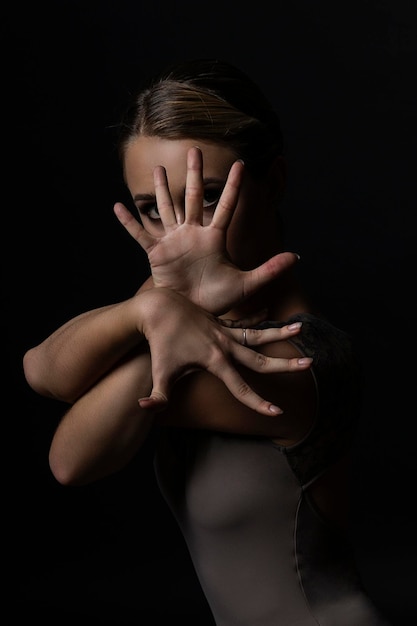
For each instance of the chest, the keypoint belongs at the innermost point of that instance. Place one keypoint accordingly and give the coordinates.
(221, 481)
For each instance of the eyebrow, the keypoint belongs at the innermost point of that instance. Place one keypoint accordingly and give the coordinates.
(208, 181)
(149, 197)
(144, 196)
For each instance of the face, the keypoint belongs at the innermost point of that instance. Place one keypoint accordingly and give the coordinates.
(248, 231)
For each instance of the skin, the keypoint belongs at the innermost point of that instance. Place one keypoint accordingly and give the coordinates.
(180, 218)
(201, 398)
(147, 157)
(216, 267)
(249, 208)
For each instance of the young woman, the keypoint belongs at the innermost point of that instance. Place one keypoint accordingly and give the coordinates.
(253, 395)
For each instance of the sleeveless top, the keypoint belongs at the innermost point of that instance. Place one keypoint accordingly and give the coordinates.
(262, 552)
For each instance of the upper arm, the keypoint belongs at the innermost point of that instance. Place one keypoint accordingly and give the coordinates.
(105, 427)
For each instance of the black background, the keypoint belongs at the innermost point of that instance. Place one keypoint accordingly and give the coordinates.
(342, 75)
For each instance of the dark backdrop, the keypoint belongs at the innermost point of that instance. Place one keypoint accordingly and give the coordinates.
(342, 74)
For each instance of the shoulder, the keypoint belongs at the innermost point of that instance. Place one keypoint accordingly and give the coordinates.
(337, 378)
(331, 348)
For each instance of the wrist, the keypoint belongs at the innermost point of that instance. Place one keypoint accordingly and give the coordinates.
(151, 305)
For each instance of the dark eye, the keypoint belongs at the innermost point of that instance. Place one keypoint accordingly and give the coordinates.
(150, 210)
(211, 196)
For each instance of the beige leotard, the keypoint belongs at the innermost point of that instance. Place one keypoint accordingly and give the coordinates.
(262, 552)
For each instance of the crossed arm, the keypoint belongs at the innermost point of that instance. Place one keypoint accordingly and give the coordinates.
(111, 364)
(100, 364)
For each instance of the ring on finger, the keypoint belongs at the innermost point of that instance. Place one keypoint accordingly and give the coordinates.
(244, 340)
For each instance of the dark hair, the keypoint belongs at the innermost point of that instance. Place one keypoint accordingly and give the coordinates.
(210, 100)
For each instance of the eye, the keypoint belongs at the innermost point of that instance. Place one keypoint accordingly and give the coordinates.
(211, 196)
(149, 210)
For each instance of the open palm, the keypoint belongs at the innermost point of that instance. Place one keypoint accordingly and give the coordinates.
(191, 258)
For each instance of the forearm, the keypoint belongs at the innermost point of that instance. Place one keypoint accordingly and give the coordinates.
(74, 357)
(103, 430)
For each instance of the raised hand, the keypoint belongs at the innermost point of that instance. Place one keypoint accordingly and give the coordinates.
(191, 258)
(184, 338)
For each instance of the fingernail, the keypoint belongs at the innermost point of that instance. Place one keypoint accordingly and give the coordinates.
(275, 409)
(295, 326)
(306, 360)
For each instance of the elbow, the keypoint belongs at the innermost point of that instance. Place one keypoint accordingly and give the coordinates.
(71, 470)
(66, 466)
(61, 471)
(31, 371)
(38, 376)
(65, 473)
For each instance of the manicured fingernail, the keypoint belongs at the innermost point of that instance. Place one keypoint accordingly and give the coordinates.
(275, 409)
(306, 360)
(295, 326)
(297, 255)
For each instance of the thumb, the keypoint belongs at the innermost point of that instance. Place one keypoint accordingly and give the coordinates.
(269, 270)
(156, 400)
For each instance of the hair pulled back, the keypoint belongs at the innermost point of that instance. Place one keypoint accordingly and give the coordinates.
(207, 100)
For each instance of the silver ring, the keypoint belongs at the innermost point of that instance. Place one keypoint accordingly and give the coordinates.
(244, 342)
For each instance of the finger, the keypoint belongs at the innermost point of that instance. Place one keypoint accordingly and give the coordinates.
(254, 279)
(244, 393)
(163, 199)
(228, 200)
(194, 187)
(264, 364)
(260, 336)
(155, 401)
(133, 227)
(161, 388)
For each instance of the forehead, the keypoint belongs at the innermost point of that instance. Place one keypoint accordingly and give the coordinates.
(143, 154)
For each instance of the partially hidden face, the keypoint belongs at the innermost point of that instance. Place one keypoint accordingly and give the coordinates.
(144, 154)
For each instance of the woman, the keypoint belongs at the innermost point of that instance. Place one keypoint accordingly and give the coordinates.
(253, 395)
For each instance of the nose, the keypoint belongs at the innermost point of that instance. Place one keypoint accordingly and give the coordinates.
(207, 216)
(179, 211)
